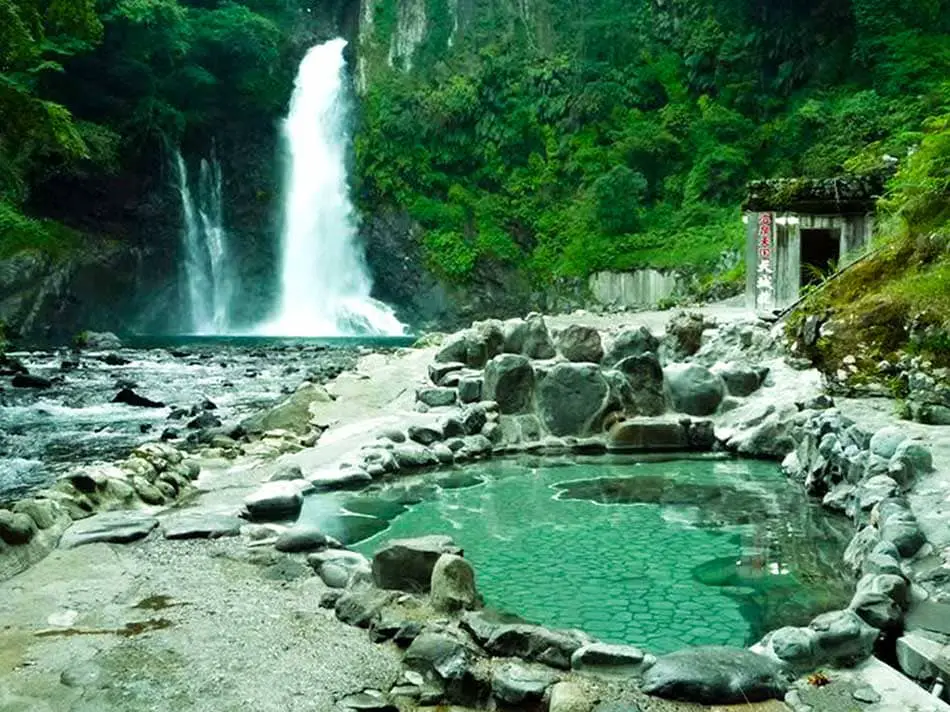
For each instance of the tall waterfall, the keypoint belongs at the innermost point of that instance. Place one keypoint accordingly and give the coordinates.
(325, 284)
(207, 272)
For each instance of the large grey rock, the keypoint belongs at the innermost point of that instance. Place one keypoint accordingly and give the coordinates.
(885, 441)
(514, 683)
(413, 455)
(274, 502)
(438, 371)
(844, 639)
(437, 397)
(368, 701)
(860, 547)
(439, 654)
(424, 434)
(536, 643)
(647, 435)
(602, 657)
(407, 564)
(880, 600)
(509, 381)
(360, 605)
(569, 697)
(470, 389)
(338, 568)
(201, 525)
(644, 375)
(453, 584)
(293, 413)
(581, 344)
(99, 341)
(571, 399)
(715, 675)
(899, 526)
(473, 347)
(740, 380)
(110, 527)
(16, 528)
(301, 539)
(631, 342)
(694, 389)
(684, 334)
(529, 338)
(916, 455)
(42, 511)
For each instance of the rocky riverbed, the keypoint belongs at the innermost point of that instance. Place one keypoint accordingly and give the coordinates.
(241, 621)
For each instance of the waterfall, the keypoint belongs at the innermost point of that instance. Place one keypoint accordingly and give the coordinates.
(325, 284)
(207, 273)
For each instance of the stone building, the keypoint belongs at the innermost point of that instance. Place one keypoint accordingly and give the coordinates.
(800, 230)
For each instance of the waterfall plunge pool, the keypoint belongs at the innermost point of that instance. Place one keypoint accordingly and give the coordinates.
(657, 552)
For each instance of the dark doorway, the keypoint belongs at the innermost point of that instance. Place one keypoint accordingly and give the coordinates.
(820, 252)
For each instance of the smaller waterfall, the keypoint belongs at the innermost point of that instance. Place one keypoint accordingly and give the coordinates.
(207, 272)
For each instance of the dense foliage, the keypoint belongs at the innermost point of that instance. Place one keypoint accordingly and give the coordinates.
(568, 136)
(91, 87)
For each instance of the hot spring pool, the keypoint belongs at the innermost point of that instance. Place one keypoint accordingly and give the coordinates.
(659, 553)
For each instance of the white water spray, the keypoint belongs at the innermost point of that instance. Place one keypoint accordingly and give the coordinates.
(207, 272)
(325, 284)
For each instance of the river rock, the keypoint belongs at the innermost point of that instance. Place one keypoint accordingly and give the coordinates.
(437, 397)
(337, 567)
(885, 441)
(130, 397)
(899, 526)
(99, 341)
(514, 683)
(438, 370)
(571, 399)
(300, 539)
(694, 389)
(294, 413)
(648, 434)
(424, 434)
(644, 375)
(715, 675)
(452, 584)
(473, 419)
(368, 701)
(110, 527)
(843, 638)
(529, 338)
(631, 342)
(358, 606)
(684, 334)
(603, 657)
(916, 454)
(16, 529)
(42, 511)
(473, 347)
(581, 344)
(536, 643)
(274, 502)
(201, 525)
(28, 380)
(440, 654)
(286, 472)
(407, 564)
(509, 381)
(569, 697)
(880, 600)
(740, 380)
(414, 455)
(470, 389)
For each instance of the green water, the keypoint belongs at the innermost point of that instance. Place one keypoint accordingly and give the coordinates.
(661, 554)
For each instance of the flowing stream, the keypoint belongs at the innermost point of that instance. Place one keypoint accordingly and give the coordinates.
(207, 271)
(325, 284)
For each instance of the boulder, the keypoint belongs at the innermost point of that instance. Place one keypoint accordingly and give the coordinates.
(644, 375)
(200, 525)
(294, 413)
(631, 342)
(407, 564)
(535, 643)
(453, 584)
(438, 370)
(424, 434)
(899, 527)
(603, 657)
(437, 397)
(99, 341)
(474, 346)
(337, 567)
(439, 654)
(916, 455)
(694, 389)
(42, 511)
(880, 600)
(509, 381)
(130, 397)
(274, 502)
(843, 638)
(529, 338)
(571, 399)
(16, 529)
(715, 675)
(860, 547)
(368, 701)
(110, 527)
(28, 380)
(301, 539)
(581, 344)
(286, 473)
(684, 334)
(515, 684)
(885, 441)
(470, 389)
(412, 456)
(339, 479)
(740, 380)
(359, 606)
(473, 419)
(648, 435)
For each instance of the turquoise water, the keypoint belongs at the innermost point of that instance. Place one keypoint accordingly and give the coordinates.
(661, 554)
(165, 341)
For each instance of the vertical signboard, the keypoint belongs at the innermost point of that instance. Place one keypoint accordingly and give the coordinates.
(765, 274)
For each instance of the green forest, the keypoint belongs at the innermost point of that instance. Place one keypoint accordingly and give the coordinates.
(557, 137)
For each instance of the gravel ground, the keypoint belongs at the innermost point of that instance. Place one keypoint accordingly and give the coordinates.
(239, 630)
